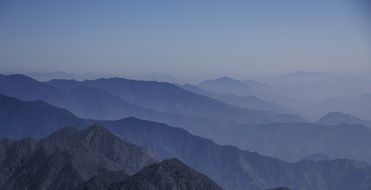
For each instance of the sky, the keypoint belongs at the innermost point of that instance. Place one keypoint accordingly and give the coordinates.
(185, 37)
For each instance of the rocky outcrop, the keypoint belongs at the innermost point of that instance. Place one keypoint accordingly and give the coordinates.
(67, 158)
(169, 174)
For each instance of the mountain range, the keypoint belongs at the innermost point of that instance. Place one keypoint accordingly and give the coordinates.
(247, 101)
(131, 97)
(169, 98)
(67, 158)
(79, 158)
(228, 166)
(116, 98)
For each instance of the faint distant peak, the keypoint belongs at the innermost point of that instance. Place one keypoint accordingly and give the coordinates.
(337, 118)
(229, 80)
(18, 76)
(222, 79)
(302, 74)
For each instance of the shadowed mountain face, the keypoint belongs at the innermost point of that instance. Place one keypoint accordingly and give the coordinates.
(169, 174)
(336, 118)
(67, 158)
(104, 181)
(166, 175)
(26, 88)
(21, 119)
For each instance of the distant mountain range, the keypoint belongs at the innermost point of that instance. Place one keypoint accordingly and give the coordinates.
(247, 101)
(301, 139)
(228, 166)
(359, 106)
(230, 86)
(301, 74)
(103, 99)
(313, 95)
(116, 96)
(293, 141)
(336, 118)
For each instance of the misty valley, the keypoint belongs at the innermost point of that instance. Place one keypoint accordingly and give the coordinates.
(117, 133)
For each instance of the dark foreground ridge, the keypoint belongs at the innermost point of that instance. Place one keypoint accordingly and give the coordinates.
(91, 158)
(168, 174)
(66, 159)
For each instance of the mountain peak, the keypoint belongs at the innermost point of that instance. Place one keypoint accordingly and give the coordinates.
(93, 137)
(338, 115)
(221, 80)
(336, 118)
(226, 79)
(68, 158)
(172, 174)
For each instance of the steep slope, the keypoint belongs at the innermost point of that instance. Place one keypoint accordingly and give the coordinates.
(336, 118)
(104, 181)
(235, 169)
(21, 119)
(67, 158)
(168, 174)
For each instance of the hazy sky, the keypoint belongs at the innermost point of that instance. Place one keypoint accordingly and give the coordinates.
(184, 37)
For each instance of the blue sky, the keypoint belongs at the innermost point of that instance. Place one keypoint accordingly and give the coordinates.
(184, 37)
